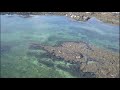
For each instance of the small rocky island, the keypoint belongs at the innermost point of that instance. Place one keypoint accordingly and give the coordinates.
(104, 63)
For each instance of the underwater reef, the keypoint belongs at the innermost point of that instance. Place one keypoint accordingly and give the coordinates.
(85, 58)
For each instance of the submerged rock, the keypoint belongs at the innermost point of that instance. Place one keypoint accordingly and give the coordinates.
(90, 58)
(5, 48)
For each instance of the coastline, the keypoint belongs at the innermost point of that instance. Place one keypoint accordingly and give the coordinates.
(106, 17)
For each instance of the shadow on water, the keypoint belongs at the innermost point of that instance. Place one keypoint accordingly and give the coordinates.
(73, 69)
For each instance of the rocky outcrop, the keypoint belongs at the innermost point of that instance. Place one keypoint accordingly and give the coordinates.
(103, 63)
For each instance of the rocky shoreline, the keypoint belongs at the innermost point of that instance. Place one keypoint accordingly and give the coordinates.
(107, 17)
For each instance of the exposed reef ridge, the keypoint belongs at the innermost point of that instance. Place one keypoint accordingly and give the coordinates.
(104, 63)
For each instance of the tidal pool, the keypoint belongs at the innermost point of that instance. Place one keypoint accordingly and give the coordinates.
(18, 32)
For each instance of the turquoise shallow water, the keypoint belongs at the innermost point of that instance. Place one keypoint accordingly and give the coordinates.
(18, 32)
